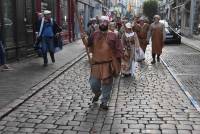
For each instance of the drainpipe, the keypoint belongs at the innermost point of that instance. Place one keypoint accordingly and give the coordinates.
(192, 13)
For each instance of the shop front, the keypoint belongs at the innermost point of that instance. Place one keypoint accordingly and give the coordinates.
(18, 20)
(17, 23)
(16, 27)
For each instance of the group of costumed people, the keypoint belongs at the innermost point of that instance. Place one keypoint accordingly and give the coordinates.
(113, 51)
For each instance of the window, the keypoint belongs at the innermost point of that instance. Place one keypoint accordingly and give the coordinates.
(64, 11)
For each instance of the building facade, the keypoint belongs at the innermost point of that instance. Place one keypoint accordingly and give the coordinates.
(18, 17)
(16, 26)
(183, 13)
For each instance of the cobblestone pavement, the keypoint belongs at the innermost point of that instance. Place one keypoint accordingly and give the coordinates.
(151, 103)
(184, 63)
(29, 72)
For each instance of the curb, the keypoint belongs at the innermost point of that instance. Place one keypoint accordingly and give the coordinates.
(38, 87)
(192, 99)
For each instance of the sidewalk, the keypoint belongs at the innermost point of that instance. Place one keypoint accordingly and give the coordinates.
(191, 42)
(29, 72)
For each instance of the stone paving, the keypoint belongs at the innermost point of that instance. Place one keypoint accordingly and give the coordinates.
(29, 72)
(151, 103)
(184, 63)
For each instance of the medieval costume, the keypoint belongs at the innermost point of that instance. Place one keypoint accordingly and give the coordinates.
(103, 46)
(130, 42)
(157, 32)
(142, 30)
(122, 29)
(119, 53)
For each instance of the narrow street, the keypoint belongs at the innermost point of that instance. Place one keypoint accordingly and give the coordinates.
(152, 103)
(45, 70)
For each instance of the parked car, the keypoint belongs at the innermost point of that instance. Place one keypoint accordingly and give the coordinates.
(172, 35)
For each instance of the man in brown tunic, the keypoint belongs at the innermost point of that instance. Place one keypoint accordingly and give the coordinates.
(104, 48)
(142, 30)
(157, 32)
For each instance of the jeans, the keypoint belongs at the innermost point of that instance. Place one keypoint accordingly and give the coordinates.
(47, 46)
(97, 87)
(2, 54)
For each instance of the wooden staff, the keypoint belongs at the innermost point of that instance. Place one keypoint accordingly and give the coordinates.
(84, 39)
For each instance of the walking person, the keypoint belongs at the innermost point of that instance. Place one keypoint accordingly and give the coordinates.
(157, 34)
(3, 65)
(103, 47)
(91, 28)
(119, 47)
(47, 32)
(130, 43)
(142, 31)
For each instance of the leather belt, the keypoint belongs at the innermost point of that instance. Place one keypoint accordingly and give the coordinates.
(102, 62)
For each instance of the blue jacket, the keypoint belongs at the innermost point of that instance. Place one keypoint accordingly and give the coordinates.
(56, 27)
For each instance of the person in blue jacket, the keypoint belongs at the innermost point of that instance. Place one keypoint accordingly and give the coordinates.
(47, 32)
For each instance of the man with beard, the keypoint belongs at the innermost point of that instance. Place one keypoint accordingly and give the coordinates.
(103, 45)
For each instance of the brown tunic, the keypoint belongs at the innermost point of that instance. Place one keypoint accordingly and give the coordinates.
(103, 45)
(142, 35)
(158, 35)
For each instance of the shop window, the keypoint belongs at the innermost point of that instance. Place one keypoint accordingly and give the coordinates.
(81, 12)
(21, 20)
(64, 10)
(187, 14)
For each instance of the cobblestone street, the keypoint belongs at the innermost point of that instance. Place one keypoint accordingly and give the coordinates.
(184, 63)
(152, 103)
